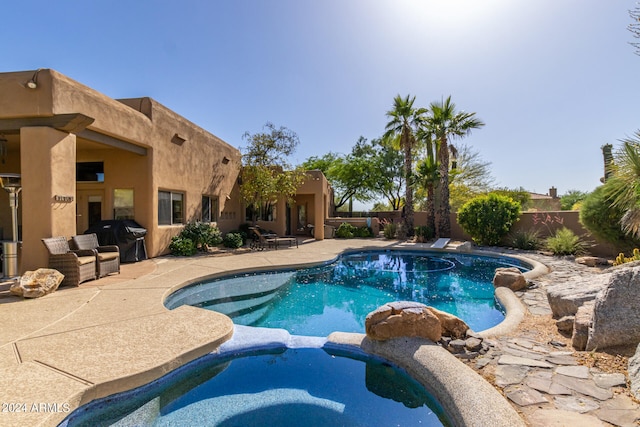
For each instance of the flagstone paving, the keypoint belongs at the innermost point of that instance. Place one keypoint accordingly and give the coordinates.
(544, 380)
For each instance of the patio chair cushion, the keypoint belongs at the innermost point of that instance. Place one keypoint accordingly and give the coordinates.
(106, 256)
(83, 260)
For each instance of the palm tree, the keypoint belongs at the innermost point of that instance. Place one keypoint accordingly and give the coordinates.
(444, 123)
(622, 189)
(427, 174)
(405, 120)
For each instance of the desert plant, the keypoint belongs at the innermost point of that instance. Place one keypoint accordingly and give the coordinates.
(345, 231)
(528, 240)
(621, 259)
(423, 233)
(182, 246)
(363, 232)
(203, 235)
(233, 240)
(389, 230)
(487, 219)
(565, 242)
(603, 220)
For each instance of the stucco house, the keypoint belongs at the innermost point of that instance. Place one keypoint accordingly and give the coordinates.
(84, 157)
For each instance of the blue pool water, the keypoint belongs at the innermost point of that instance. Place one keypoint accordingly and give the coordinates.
(297, 387)
(338, 296)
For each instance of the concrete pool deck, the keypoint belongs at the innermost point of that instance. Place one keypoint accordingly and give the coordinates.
(63, 350)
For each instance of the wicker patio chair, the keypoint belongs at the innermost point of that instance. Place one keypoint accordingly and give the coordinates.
(108, 256)
(77, 266)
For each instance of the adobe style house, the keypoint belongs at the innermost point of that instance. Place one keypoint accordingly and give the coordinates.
(84, 157)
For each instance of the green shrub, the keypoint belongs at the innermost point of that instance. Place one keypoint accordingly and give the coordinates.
(363, 232)
(182, 246)
(202, 234)
(603, 221)
(389, 230)
(345, 231)
(423, 233)
(233, 240)
(565, 242)
(487, 219)
(528, 240)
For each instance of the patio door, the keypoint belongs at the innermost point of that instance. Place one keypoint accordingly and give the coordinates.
(90, 209)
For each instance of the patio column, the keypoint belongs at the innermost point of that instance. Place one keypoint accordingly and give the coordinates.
(48, 191)
(318, 211)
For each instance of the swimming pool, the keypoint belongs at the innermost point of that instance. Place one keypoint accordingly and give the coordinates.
(337, 296)
(284, 387)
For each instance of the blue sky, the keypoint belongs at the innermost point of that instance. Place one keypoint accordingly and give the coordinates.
(553, 80)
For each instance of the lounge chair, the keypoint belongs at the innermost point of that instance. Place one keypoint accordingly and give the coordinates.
(262, 239)
(108, 256)
(77, 265)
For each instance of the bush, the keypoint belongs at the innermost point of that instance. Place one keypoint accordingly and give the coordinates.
(528, 240)
(389, 230)
(487, 219)
(233, 240)
(423, 233)
(565, 242)
(603, 221)
(182, 246)
(363, 232)
(202, 234)
(345, 231)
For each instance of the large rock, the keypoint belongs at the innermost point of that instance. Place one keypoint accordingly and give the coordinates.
(403, 319)
(452, 326)
(581, 324)
(509, 277)
(565, 298)
(616, 317)
(34, 284)
(634, 373)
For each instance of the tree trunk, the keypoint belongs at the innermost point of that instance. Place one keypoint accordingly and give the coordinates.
(431, 207)
(443, 225)
(408, 202)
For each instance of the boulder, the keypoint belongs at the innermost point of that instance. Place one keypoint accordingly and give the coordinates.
(592, 261)
(634, 373)
(34, 284)
(565, 298)
(509, 277)
(452, 326)
(464, 247)
(403, 319)
(581, 324)
(616, 318)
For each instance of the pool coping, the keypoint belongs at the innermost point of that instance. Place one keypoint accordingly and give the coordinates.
(39, 364)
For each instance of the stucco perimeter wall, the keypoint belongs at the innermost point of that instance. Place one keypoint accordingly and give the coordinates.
(546, 223)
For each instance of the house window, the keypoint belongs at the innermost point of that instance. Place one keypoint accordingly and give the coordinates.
(90, 172)
(267, 212)
(170, 208)
(123, 203)
(209, 209)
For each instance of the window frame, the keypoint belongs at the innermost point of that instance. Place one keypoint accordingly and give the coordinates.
(176, 198)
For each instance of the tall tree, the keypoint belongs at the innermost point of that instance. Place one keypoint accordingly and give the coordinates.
(427, 175)
(389, 176)
(266, 174)
(634, 27)
(404, 122)
(352, 176)
(445, 123)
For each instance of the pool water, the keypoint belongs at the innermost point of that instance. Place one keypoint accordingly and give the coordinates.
(338, 296)
(306, 386)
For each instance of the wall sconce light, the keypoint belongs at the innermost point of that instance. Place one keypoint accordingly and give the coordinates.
(33, 83)
(225, 160)
(228, 197)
